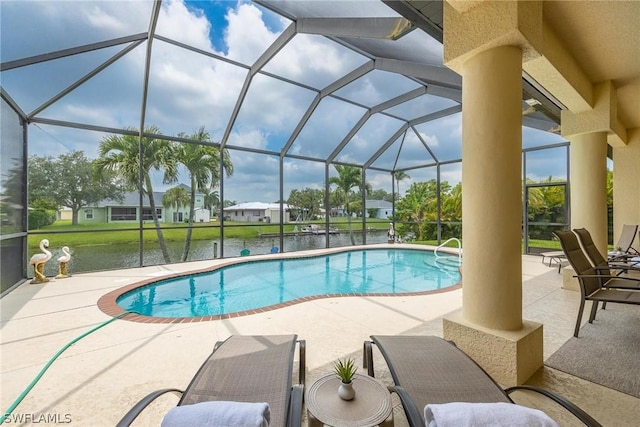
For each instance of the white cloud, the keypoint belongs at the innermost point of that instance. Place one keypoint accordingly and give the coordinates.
(100, 18)
(188, 90)
(247, 36)
(178, 23)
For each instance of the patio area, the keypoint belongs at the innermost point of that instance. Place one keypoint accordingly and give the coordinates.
(100, 377)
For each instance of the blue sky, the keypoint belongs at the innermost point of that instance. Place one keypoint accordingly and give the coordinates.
(188, 90)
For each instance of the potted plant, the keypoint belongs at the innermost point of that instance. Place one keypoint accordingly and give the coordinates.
(346, 371)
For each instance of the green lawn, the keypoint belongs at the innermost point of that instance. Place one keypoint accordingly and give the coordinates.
(115, 233)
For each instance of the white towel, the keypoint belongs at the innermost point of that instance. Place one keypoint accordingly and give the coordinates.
(462, 414)
(218, 414)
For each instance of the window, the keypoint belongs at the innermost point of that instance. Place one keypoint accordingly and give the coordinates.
(256, 213)
(147, 216)
(123, 214)
(88, 214)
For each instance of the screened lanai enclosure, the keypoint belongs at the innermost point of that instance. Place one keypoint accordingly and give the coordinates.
(141, 132)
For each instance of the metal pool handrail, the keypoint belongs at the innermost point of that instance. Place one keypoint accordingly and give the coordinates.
(435, 252)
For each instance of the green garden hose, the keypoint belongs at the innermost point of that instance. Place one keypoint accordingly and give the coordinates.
(44, 369)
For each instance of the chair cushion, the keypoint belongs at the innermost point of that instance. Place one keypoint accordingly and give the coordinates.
(218, 414)
(463, 414)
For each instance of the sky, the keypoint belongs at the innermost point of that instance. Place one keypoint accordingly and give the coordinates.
(188, 90)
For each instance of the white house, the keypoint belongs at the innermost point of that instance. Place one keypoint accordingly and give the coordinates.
(256, 212)
(128, 210)
(384, 209)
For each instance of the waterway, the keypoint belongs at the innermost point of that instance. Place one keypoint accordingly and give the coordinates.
(121, 256)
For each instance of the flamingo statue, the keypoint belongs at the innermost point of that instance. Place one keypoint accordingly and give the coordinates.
(63, 260)
(38, 261)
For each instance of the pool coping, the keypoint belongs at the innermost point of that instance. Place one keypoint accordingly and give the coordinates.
(108, 305)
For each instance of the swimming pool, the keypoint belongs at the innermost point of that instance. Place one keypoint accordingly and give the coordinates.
(254, 285)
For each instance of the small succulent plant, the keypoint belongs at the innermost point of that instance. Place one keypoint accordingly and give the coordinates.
(345, 369)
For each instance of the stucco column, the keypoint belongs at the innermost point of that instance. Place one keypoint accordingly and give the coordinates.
(491, 197)
(588, 163)
(487, 43)
(626, 185)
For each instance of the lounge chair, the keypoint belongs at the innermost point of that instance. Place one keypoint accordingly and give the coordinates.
(246, 369)
(602, 265)
(431, 370)
(594, 286)
(557, 256)
(624, 248)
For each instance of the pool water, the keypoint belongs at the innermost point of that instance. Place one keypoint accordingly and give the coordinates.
(255, 284)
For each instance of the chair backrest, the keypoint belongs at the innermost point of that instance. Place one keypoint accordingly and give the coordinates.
(590, 248)
(626, 237)
(247, 369)
(578, 261)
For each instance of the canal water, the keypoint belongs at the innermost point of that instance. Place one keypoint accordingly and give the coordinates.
(119, 256)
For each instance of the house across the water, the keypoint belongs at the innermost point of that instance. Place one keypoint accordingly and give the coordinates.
(129, 210)
(256, 212)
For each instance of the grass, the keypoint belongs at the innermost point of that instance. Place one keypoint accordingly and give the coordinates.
(88, 234)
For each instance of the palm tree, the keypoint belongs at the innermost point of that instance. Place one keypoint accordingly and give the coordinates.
(211, 200)
(348, 178)
(128, 156)
(400, 176)
(203, 164)
(176, 197)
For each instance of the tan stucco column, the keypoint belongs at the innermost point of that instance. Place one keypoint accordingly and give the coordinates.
(588, 172)
(590, 131)
(483, 43)
(626, 185)
(492, 194)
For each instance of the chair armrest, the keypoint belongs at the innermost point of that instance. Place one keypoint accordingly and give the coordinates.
(624, 256)
(302, 369)
(618, 266)
(587, 419)
(142, 404)
(367, 357)
(295, 406)
(606, 276)
(413, 413)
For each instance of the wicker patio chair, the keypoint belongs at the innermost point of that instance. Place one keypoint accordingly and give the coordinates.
(594, 286)
(246, 369)
(431, 370)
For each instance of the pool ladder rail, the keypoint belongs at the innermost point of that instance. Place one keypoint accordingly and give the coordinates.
(443, 244)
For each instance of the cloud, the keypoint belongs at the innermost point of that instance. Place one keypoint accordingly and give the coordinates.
(247, 36)
(188, 90)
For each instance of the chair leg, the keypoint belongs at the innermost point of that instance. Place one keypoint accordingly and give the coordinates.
(594, 309)
(580, 310)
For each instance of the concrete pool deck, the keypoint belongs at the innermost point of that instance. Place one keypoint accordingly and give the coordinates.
(101, 376)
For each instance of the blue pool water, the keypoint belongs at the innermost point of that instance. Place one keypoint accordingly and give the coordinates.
(256, 284)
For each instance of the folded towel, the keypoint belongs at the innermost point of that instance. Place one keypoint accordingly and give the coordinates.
(218, 414)
(462, 414)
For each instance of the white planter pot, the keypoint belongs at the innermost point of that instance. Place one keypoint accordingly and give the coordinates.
(346, 391)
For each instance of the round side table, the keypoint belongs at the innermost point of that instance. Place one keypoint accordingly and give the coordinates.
(370, 407)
